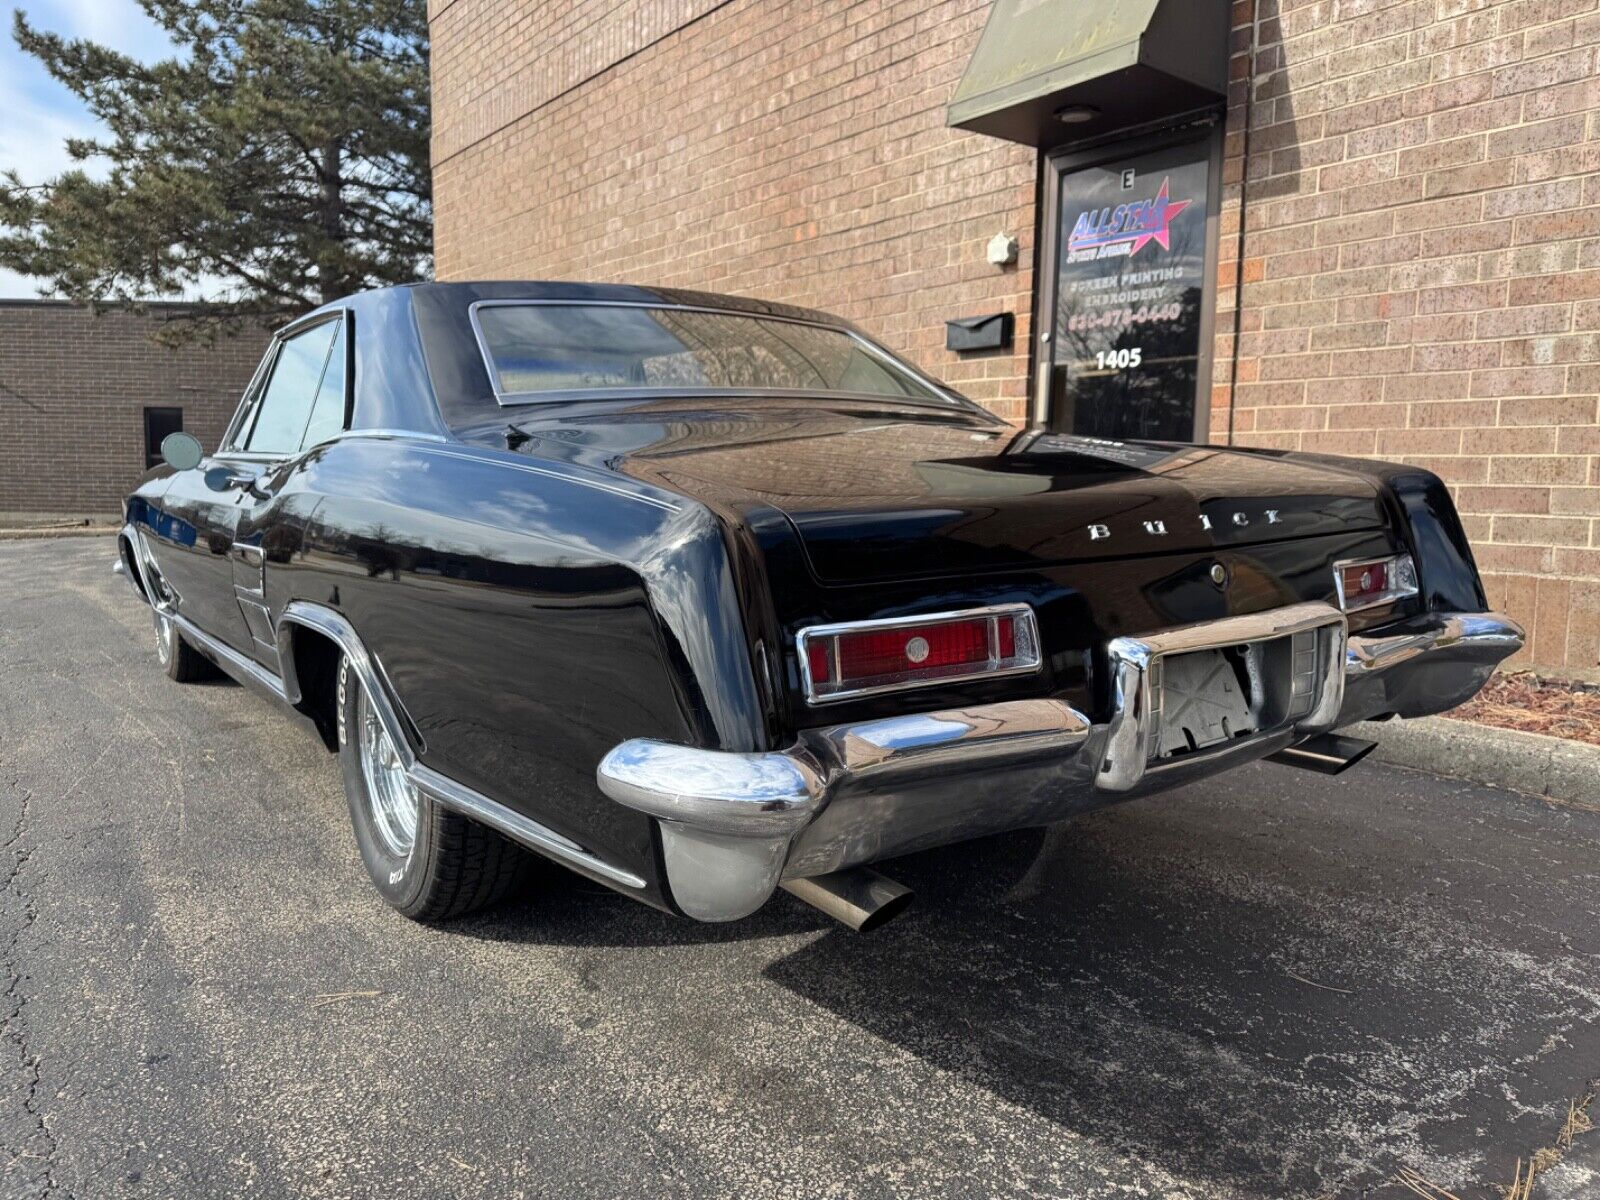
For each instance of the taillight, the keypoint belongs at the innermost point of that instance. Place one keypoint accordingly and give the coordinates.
(1374, 581)
(861, 658)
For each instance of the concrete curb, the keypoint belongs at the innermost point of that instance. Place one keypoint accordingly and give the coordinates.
(29, 535)
(1554, 768)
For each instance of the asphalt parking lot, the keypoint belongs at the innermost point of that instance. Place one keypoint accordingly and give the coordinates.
(1277, 985)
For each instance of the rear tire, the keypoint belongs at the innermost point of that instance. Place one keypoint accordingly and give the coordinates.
(181, 661)
(428, 863)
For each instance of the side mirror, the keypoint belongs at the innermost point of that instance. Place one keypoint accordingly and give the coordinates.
(182, 451)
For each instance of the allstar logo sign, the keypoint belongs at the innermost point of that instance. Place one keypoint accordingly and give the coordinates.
(1123, 231)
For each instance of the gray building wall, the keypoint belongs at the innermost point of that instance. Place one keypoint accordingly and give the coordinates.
(73, 390)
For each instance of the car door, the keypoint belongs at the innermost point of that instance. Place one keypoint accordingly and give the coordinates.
(305, 403)
(201, 555)
(193, 539)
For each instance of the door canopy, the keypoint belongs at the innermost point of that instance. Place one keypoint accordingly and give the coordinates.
(1051, 71)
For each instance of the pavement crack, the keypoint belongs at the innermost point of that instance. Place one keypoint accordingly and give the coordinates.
(38, 1143)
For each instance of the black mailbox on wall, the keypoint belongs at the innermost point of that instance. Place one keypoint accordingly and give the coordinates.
(992, 332)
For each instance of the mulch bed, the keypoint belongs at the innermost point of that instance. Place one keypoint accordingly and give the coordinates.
(1534, 705)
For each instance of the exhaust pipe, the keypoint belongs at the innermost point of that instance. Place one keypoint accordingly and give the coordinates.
(1326, 754)
(859, 897)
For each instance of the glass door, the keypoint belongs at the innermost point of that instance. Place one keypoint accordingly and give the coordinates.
(1126, 350)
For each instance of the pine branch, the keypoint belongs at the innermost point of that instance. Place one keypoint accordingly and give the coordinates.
(283, 147)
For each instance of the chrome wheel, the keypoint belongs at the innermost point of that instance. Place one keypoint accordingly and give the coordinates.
(391, 795)
(166, 638)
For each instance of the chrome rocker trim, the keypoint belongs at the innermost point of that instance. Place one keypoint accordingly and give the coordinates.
(285, 687)
(733, 826)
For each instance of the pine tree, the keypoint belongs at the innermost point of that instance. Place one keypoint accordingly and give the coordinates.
(283, 151)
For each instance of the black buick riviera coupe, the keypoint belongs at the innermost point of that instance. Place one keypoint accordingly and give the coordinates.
(702, 596)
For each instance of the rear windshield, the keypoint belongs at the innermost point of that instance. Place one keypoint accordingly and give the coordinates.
(545, 351)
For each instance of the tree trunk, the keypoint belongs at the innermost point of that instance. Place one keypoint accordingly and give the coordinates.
(331, 278)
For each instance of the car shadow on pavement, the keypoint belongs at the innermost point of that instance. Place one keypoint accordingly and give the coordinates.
(1227, 1032)
(1254, 1017)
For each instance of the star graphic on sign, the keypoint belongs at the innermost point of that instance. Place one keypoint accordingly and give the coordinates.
(1157, 221)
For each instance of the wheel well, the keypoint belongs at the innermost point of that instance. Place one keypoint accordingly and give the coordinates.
(131, 565)
(316, 666)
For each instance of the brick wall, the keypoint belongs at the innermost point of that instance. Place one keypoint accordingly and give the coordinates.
(1422, 270)
(1421, 253)
(73, 388)
(795, 151)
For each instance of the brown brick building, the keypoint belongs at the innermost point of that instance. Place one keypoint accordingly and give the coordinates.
(1419, 182)
(85, 398)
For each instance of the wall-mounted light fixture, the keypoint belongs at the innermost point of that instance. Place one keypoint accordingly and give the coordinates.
(1077, 114)
(1002, 250)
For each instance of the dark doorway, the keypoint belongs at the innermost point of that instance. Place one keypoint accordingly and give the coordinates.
(158, 423)
(1126, 304)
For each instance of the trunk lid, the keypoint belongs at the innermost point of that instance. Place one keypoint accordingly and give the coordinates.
(880, 492)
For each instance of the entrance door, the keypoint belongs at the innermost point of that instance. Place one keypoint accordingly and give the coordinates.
(1125, 352)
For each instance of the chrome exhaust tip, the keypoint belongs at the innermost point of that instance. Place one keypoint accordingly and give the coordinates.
(858, 896)
(1326, 754)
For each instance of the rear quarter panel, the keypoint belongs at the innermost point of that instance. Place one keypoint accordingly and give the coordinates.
(527, 621)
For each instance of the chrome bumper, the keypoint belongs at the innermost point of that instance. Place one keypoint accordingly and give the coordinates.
(734, 825)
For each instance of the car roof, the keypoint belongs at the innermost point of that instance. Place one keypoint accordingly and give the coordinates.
(418, 364)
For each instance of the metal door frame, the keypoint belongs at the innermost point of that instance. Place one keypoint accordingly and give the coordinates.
(1054, 164)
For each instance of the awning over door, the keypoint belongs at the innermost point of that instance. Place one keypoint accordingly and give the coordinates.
(1133, 61)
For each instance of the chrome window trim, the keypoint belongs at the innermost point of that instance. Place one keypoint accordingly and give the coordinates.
(229, 447)
(1388, 595)
(516, 399)
(249, 456)
(347, 406)
(257, 380)
(377, 434)
(385, 434)
(806, 635)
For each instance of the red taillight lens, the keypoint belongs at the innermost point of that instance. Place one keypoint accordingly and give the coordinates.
(819, 655)
(1375, 581)
(912, 647)
(1366, 581)
(876, 656)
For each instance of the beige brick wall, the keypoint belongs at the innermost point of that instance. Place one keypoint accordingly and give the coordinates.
(1421, 270)
(795, 151)
(73, 389)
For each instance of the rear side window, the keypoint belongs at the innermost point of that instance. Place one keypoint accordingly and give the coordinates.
(327, 414)
(285, 406)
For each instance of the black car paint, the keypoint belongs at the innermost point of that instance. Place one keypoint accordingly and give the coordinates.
(630, 569)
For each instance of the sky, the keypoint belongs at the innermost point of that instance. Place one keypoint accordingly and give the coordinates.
(37, 114)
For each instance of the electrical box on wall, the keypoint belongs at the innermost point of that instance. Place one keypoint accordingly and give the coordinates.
(992, 332)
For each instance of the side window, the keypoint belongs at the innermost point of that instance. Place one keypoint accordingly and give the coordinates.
(327, 414)
(239, 431)
(285, 407)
